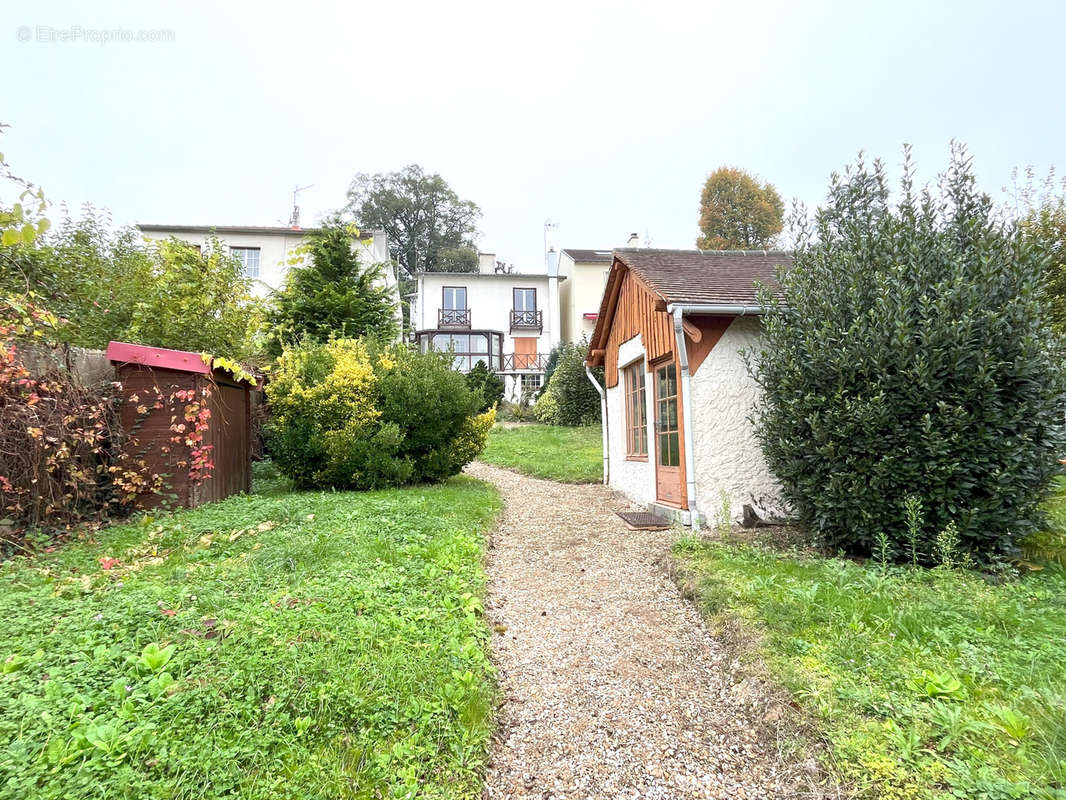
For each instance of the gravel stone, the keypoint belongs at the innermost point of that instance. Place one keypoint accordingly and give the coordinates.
(611, 686)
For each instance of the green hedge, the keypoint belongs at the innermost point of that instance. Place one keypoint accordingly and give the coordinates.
(909, 362)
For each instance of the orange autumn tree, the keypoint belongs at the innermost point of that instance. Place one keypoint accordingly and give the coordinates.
(738, 213)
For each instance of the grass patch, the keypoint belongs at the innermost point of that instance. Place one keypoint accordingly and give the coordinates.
(569, 455)
(311, 645)
(1050, 545)
(926, 684)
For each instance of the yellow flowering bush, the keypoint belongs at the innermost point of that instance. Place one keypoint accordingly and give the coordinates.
(352, 414)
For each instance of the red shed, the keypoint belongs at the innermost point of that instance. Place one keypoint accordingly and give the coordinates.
(186, 420)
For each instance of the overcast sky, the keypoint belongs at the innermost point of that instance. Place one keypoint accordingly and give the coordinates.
(605, 117)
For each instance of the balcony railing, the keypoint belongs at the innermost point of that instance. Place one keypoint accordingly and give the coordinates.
(524, 362)
(453, 318)
(526, 319)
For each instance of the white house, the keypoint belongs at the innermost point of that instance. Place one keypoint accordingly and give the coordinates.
(267, 252)
(670, 334)
(507, 320)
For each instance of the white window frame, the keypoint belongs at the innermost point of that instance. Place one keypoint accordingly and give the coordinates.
(243, 254)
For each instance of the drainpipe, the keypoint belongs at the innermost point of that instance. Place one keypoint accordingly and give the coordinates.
(686, 402)
(603, 416)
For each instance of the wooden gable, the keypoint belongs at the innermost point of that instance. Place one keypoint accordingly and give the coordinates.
(630, 307)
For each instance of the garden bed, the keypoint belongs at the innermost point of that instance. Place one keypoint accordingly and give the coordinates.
(298, 644)
(565, 454)
(925, 683)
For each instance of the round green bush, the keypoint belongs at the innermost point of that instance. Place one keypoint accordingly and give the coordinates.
(907, 362)
(352, 415)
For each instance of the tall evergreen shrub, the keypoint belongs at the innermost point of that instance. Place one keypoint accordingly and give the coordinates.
(909, 355)
(569, 398)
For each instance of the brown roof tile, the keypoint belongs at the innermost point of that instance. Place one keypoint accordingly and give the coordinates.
(712, 277)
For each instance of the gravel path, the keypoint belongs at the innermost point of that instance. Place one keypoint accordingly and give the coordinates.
(612, 687)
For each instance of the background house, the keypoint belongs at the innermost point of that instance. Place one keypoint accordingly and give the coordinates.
(671, 331)
(579, 295)
(508, 320)
(267, 252)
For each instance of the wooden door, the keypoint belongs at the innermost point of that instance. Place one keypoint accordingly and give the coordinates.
(667, 436)
(525, 352)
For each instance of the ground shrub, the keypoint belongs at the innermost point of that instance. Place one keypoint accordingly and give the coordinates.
(569, 398)
(908, 363)
(486, 384)
(349, 414)
(55, 434)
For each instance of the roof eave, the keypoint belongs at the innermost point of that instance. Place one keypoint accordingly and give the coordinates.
(725, 309)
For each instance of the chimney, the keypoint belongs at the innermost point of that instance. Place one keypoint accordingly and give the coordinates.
(634, 240)
(553, 263)
(486, 263)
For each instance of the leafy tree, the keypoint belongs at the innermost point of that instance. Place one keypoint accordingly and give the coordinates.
(23, 220)
(1043, 221)
(108, 285)
(485, 384)
(908, 364)
(424, 218)
(458, 259)
(333, 295)
(86, 272)
(737, 212)
(193, 300)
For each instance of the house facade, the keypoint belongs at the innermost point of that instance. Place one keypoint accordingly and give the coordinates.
(579, 295)
(507, 320)
(267, 253)
(672, 329)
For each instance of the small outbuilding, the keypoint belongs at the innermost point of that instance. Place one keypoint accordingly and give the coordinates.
(671, 332)
(186, 425)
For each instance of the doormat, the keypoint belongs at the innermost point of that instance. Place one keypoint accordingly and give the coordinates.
(643, 521)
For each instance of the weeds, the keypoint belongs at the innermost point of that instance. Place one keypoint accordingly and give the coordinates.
(282, 644)
(925, 683)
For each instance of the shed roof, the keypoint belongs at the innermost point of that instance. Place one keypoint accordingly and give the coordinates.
(727, 279)
(163, 358)
(711, 277)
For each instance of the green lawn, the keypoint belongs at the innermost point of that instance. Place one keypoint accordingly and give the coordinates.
(926, 684)
(570, 455)
(302, 645)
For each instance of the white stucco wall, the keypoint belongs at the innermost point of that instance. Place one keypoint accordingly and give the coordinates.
(277, 248)
(580, 294)
(635, 479)
(729, 463)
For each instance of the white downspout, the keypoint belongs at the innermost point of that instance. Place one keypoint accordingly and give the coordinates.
(686, 403)
(603, 416)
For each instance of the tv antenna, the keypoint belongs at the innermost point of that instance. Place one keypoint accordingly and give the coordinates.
(294, 220)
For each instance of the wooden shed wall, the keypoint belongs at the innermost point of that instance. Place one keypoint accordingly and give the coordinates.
(228, 432)
(638, 310)
(146, 437)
